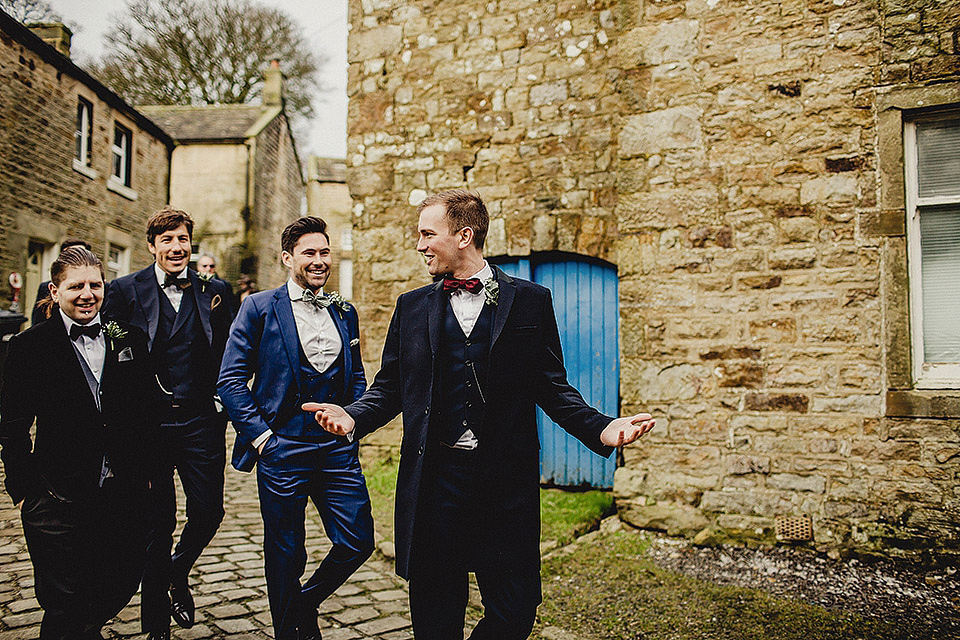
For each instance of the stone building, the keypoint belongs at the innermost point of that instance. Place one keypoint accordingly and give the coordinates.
(75, 161)
(236, 170)
(759, 175)
(329, 198)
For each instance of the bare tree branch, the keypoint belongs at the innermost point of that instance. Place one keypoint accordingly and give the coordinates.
(206, 52)
(30, 11)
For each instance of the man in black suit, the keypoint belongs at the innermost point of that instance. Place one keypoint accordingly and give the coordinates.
(81, 484)
(207, 270)
(187, 321)
(467, 360)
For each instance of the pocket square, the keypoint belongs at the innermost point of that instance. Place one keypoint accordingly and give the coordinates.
(355, 342)
(215, 302)
(125, 354)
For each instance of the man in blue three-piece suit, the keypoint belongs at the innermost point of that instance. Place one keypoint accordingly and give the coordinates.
(186, 321)
(467, 360)
(299, 345)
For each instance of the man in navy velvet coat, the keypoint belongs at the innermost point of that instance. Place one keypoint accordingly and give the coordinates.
(299, 345)
(467, 360)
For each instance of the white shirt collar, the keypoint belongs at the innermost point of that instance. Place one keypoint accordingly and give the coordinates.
(68, 322)
(295, 291)
(484, 274)
(162, 275)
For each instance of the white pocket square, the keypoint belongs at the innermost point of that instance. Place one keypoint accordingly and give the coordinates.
(355, 342)
(125, 354)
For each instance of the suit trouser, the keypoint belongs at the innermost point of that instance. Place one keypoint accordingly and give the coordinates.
(328, 473)
(450, 540)
(196, 448)
(87, 557)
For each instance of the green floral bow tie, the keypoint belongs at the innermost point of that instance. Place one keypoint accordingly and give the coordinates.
(320, 301)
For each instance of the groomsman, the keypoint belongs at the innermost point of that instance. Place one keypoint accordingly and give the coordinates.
(299, 344)
(186, 320)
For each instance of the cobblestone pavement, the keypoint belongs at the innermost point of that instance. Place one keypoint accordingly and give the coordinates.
(227, 581)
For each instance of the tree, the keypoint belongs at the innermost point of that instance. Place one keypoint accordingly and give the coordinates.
(190, 52)
(30, 10)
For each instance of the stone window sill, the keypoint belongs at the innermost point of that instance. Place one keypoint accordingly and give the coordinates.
(118, 187)
(923, 404)
(79, 167)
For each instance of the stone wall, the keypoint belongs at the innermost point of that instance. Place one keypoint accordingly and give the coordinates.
(42, 197)
(738, 161)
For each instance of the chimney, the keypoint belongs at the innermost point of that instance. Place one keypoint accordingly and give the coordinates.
(273, 85)
(55, 34)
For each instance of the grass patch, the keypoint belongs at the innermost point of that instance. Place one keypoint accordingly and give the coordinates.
(609, 588)
(564, 514)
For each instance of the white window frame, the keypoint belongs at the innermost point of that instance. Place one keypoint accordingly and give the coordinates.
(83, 134)
(120, 266)
(925, 375)
(123, 152)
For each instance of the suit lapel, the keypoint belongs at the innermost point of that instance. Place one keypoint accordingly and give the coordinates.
(341, 326)
(508, 291)
(288, 328)
(435, 300)
(202, 299)
(76, 378)
(148, 295)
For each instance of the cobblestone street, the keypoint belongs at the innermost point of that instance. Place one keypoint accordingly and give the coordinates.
(228, 583)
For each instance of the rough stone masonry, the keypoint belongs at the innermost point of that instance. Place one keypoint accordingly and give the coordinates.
(741, 163)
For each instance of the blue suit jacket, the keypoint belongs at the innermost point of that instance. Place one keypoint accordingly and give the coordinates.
(264, 345)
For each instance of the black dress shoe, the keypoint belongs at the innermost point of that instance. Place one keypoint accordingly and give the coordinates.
(181, 605)
(159, 635)
(308, 629)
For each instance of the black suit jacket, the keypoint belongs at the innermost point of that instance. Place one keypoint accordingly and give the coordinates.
(135, 298)
(525, 370)
(43, 380)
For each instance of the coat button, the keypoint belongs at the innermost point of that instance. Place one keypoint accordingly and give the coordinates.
(467, 343)
(426, 411)
(465, 423)
(469, 383)
(420, 451)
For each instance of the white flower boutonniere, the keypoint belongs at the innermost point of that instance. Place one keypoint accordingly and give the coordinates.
(336, 299)
(113, 331)
(204, 279)
(491, 292)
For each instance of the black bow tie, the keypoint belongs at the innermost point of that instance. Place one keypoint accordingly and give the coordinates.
(473, 285)
(90, 330)
(180, 283)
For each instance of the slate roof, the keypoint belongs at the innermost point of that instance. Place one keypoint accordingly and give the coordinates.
(205, 123)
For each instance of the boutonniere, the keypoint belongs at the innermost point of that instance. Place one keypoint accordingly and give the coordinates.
(113, 331)
(491, 292)
(204, 279)
(336, 299)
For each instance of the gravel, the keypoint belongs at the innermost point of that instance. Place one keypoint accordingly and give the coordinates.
(923, 603)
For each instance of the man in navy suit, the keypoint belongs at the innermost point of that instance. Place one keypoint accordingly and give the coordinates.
(467, 360)
(299, 345)
(186, 320)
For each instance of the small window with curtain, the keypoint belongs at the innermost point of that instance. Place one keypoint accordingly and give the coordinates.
(122, 154)
(932, 172)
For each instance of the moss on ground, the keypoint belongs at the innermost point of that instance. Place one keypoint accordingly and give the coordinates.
(609, 588)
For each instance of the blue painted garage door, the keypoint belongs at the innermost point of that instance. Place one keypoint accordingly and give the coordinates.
(585, 301)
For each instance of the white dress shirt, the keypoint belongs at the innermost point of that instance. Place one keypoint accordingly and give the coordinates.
(318, 334)
(174, 294)
(93, 350)
(467, 307)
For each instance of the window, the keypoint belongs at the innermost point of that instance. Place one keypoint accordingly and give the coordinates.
(118, 261)
(932, 173)
(122, 154)
(84, 133)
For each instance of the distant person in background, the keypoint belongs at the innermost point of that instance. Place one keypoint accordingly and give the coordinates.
(245, 286)
(207, 271)
(43, 291)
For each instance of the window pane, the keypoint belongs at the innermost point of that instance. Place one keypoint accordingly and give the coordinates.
(938, 148)
(940, 248)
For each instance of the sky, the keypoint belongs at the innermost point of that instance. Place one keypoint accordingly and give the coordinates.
(324, 24)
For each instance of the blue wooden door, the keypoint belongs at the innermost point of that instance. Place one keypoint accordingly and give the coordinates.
(586, 304)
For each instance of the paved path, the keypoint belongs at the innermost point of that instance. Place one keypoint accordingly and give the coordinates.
(228, 582)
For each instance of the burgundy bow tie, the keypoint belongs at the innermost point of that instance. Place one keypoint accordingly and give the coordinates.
(473, 285)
